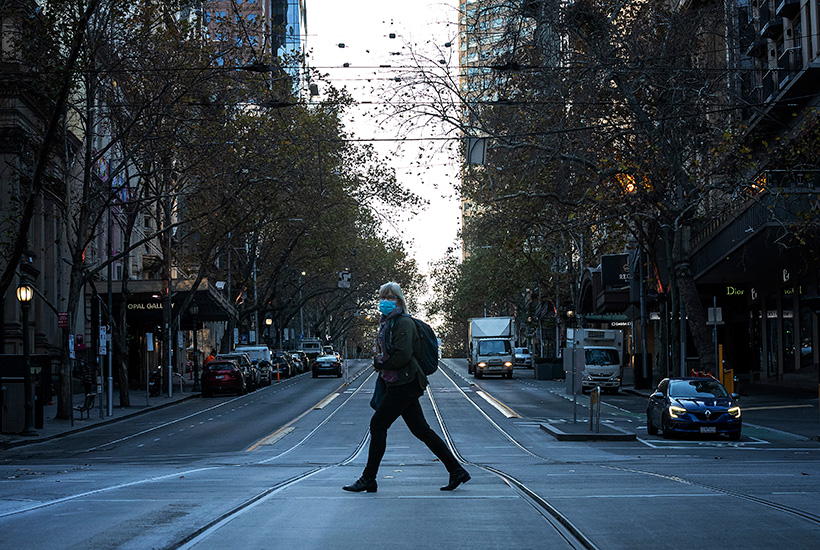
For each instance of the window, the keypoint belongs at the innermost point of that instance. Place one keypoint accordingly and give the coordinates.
(493, 347)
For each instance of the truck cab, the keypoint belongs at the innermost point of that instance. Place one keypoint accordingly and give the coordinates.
(603, 357)
(312, 348)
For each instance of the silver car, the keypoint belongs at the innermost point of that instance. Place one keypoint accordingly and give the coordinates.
(523, 358)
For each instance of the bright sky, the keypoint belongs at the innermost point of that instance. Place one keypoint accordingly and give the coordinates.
(364, 26)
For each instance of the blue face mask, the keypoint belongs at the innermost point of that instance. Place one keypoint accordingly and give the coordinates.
(386, 306)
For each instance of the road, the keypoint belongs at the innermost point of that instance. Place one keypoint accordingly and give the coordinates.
(265, 470)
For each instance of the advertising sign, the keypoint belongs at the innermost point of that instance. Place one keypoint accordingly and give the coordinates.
(615, 271)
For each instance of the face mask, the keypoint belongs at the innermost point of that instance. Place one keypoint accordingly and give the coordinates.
(386, 306)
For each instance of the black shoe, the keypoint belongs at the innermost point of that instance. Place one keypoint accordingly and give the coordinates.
(364, 484)
(456, 479)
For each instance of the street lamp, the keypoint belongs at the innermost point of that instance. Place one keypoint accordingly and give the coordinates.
(268, 323)
(194, 309)
(24, 295)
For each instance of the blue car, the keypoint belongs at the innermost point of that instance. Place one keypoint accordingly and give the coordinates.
(693, 406)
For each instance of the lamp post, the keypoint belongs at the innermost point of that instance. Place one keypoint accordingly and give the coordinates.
(301, 306)
(24, 295)
(194, 309)
(268, 323)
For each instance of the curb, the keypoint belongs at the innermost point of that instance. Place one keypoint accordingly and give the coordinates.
(24, 442)
(608, 433)
(635, 392)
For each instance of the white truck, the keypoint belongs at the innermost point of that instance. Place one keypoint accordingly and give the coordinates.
(490, 343)
(603, 351)
(312, 347)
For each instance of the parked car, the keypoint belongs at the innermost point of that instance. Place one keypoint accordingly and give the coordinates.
(523, 358)
(223, 375)
(697, 405)
(283, 363)
(266, 373)
(300, 361)
(326, 364)
(252, 374)
(261, 357)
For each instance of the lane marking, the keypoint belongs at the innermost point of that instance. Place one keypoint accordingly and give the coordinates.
(775, 407)
(326, 401)
(275, 436)
(178, 475)
(329, 398)
(497, 405)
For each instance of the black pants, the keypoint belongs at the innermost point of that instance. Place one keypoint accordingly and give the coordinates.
(403, 401)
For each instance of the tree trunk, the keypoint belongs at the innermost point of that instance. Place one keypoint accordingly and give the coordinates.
(696, 318)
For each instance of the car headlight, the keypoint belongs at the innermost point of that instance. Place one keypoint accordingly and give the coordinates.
(734, 411)
(482, 364)
(675, 411)
(507, 364)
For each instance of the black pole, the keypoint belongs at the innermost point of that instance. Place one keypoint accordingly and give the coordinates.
(196, 387)
(28, 430)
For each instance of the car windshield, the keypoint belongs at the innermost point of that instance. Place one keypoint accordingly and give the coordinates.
(697, 388)
(493, 347)
(601, 357)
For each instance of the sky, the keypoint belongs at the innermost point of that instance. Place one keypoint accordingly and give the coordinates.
(364, 28)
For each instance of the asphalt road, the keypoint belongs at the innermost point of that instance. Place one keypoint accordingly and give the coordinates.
(265, 470)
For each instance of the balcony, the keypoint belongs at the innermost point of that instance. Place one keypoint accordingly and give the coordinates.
(758, 48)
(763, 12)
(789, 64)
(768, 86)
(787, 8)
(719, 244)
(773, 28)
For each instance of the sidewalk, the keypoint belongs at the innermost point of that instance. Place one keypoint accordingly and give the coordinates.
(54, 427)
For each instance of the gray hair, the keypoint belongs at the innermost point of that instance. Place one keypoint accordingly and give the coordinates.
(393, 288)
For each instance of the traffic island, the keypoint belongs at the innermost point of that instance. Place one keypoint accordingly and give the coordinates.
(579, 431)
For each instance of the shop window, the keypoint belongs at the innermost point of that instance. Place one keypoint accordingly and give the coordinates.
(772, 336)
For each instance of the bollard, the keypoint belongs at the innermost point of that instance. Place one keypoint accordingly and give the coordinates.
(595, 409)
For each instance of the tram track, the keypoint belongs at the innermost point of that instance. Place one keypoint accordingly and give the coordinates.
(568, 531)
(541, 504)
(256, 498)
(574, 537)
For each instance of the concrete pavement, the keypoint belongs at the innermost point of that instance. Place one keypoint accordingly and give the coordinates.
(54, 427)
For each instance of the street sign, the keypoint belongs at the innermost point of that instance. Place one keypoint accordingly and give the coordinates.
(344, 279)
(103, 342)
(715, 316)
(62, 319)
